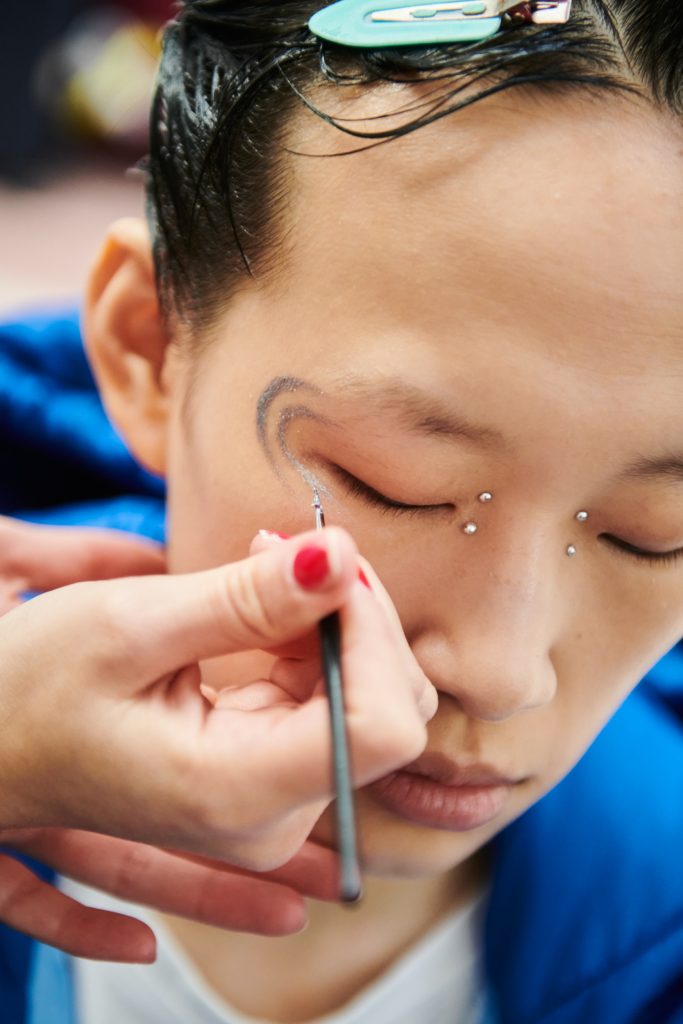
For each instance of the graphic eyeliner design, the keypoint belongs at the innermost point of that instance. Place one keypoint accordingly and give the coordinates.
(276, 388)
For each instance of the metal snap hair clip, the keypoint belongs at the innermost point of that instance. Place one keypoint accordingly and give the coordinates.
(375, 24)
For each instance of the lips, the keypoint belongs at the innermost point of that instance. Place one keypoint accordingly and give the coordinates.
(439, 793)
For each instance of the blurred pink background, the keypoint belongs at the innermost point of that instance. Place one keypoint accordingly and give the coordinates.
(49, 234)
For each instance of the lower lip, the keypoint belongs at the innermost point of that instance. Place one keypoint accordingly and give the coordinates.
(424, 801)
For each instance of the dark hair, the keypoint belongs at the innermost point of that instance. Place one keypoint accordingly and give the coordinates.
(233, 74)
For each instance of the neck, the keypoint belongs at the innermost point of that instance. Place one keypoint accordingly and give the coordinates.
(341, 951)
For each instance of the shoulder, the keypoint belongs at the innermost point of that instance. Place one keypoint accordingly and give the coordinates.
(586, 915)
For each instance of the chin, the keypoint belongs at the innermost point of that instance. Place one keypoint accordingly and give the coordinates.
(391, 847)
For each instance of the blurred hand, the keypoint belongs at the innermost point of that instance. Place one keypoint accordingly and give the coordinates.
(210, 892)
(38, 558)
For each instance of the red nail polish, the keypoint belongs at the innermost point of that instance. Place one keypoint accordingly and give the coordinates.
(311, 567)
(364, 580)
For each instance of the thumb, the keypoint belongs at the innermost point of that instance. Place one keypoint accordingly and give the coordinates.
(256, 604)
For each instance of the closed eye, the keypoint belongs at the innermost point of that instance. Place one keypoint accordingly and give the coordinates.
(359, 489)
(371, 496)
(630, 550)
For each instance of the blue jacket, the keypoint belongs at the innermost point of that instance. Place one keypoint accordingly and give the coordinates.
(585, 924)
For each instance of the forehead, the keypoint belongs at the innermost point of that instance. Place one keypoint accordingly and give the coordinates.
(559, 217)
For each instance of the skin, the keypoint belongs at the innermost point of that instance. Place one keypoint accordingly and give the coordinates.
(520, 264)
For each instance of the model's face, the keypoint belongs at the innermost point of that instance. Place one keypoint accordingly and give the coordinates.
(491, 305)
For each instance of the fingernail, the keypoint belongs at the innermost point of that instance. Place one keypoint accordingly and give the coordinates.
(364, 580)
(304, 926)
(311, 567)
(273, 535)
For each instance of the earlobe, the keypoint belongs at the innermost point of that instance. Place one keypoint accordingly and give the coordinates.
(127, 343)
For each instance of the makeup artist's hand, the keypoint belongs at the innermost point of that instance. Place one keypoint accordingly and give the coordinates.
(104, 730)
(39, 558)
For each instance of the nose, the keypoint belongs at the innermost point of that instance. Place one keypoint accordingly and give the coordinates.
(487, 637)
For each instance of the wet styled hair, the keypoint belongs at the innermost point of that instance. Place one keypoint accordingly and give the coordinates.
(234, 74)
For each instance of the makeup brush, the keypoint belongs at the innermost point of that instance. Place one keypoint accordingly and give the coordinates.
(330, 641)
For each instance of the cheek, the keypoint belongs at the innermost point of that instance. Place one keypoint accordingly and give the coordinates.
(624, 621)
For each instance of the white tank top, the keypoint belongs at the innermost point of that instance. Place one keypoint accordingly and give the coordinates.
(437, 981)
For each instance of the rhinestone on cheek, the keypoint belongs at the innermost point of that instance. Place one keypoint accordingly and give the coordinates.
(485, 497)
(571, 551)
(581, 517)
(470, 529)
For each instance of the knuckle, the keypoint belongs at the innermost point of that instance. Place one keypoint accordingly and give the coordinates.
(406, 737)
(240, 602)
(401, 738)
(130, 870)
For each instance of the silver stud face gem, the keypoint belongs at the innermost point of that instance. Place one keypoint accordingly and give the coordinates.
(581, 517)
(485, 497)
(571, 551)
(470, 529)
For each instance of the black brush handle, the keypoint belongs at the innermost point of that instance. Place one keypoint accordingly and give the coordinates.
(330, 637)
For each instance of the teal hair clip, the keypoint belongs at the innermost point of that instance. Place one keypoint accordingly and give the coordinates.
(375, 24)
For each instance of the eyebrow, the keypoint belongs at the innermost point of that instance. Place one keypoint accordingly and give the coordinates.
(277, 386)
(418, 411)
(669, 467)
(424, 413)
(413, 408)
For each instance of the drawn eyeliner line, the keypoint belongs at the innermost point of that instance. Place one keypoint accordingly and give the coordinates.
(277, 387)
(287, 417)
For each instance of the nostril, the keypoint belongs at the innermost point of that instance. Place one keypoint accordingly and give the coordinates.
(483, 694)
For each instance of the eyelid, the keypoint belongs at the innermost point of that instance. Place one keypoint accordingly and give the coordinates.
(360, 489)
(653, 557)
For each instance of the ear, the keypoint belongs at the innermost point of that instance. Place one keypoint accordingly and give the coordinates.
(127, 343)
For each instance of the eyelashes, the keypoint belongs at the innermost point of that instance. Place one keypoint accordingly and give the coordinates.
(651, 557)
(390, 506)
(359, 489)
